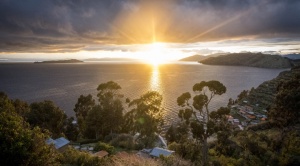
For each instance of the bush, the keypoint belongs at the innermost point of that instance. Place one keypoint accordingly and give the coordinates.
(260, 126)
(110, 137)
(103, 146)
(75, 157)
(123, 141)
(174, 160)
(87, 141)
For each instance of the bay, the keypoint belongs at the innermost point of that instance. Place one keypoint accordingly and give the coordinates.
(64, 83)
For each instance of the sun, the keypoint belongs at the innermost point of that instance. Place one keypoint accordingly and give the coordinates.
(155, 53)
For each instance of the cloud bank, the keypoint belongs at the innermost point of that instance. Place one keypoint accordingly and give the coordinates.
(74, 25)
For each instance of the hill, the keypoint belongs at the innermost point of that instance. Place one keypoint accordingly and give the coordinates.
(249, 59)
(62, 61)
(264, 94)
(194, 58)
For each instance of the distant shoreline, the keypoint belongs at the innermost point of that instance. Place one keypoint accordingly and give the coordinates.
(61, 61)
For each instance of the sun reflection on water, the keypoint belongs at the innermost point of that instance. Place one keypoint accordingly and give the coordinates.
(155, 79)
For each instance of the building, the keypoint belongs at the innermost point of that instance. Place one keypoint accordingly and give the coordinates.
(156, 152)
(236, 122)
(60, 144)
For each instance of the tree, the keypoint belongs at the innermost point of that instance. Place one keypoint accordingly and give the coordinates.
(107, 116)
(202, 123)
(243, 95)
(146, 115)
(19, 144)
(177, 133)
(21, 107)
(94, 123)
(230, 102)
(83, 106)
(108, 93)
(48, 116)
(287, 103)
(71, 129)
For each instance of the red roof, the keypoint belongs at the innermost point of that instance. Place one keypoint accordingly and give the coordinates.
(101, 153)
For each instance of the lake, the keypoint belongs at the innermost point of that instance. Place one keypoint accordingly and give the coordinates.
(64, 83)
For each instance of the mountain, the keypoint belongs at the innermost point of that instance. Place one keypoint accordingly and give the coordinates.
(249, 59)
(62, 61)
(110, 59)
(194, 58)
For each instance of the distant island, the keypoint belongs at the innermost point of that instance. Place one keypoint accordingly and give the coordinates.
(62, 61)
(249, 59)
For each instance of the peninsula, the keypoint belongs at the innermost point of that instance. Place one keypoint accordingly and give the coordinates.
(249, 59)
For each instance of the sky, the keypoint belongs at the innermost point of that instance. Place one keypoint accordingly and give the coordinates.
(146, 29)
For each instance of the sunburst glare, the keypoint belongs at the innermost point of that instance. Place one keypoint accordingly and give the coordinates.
(155, 53)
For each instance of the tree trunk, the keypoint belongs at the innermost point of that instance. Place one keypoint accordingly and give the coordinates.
(204, 151)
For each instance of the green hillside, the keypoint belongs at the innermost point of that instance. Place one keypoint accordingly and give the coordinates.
(249, 59)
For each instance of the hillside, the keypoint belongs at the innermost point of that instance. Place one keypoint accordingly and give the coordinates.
(249, 59)
(194, 58)
(265, 93)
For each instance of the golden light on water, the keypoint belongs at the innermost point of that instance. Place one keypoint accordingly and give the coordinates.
(155, 79)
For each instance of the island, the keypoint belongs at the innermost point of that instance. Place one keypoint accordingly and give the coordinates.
(250, 59)
(62, 61)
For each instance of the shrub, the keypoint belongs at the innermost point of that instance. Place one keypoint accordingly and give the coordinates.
(123, 141)
(75, 157)
(103, 146)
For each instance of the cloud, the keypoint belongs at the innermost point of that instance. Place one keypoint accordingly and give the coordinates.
(73, 25)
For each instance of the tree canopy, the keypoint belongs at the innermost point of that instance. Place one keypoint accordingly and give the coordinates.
(19, 144)
(105, 117)
(201, 121)
(48, 116)
(287, 103)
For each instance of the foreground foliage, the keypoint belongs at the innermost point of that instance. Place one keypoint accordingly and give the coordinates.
(19, 143)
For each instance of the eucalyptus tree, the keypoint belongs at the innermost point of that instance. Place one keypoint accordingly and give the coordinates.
(48, 116)
(202, 122)
(107, 116)
(83, 106)
(146, 116)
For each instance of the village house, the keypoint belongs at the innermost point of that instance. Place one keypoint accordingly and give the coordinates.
(60, 144)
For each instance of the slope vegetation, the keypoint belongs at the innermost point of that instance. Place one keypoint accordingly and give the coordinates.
(249, 59)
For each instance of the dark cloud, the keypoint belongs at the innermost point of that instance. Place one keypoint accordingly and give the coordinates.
(72, 25)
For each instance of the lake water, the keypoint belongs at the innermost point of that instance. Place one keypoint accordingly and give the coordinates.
(64, 83)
